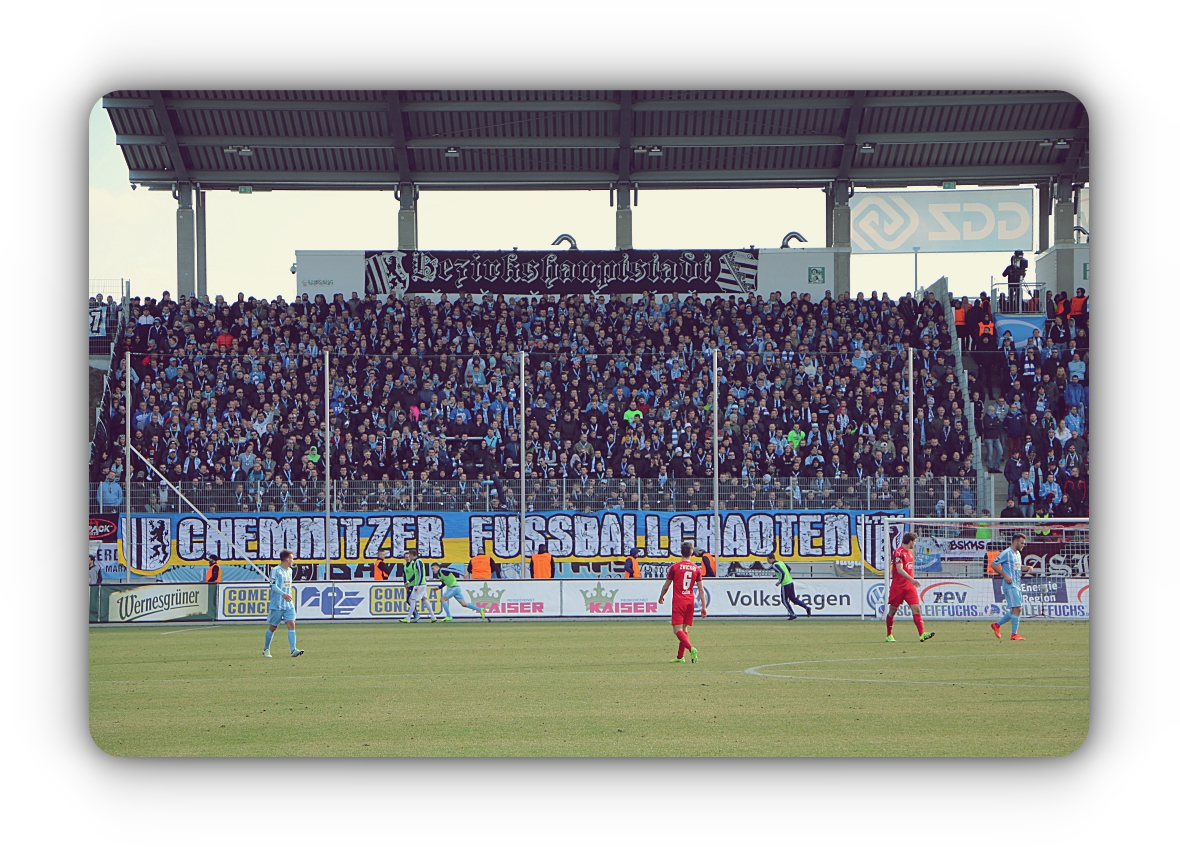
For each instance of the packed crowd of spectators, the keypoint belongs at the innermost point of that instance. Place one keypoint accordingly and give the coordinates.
(1033, 403)
(424, 402)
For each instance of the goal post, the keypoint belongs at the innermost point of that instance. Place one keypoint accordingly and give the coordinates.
(953, 565)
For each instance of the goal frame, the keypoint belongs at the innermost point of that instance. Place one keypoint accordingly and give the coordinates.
(1013, 523)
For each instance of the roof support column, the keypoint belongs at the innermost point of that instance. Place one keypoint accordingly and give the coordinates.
(185, 246)
(829, 205)
(841, 228)
(407, 217)
(202, 280)
(623, 240)
(1063, 218)
(1044, 206)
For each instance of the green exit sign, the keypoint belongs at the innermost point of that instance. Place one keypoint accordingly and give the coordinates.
(245, 189)
(948, 185)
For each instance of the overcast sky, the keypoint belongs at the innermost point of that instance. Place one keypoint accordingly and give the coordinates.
(252, 238)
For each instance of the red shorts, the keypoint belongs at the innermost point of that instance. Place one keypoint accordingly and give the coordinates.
(901, 591)
(682, 612)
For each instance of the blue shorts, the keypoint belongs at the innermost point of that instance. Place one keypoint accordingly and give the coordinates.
(1012, 596)
(278, 614)
(452, 593)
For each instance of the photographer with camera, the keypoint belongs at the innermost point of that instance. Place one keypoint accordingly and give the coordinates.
(1017, 267)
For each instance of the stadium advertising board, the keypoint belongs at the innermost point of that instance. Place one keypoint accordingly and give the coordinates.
(329, 272)
(980, 599)
(104, 527)
(509, 272)
(378, 600)
(159, 603)
(516, 272)
(983, 220)
(161, 542)
(726, 597)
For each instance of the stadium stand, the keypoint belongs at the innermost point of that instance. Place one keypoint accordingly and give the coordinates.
(228, 399)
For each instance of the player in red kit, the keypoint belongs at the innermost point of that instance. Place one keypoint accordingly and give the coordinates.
(682, 576)
(903, 588)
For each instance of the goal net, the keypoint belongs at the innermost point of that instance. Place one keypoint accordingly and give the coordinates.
(953, 563)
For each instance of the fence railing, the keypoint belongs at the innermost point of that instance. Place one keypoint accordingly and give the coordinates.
(1026, 298)
(934, 497)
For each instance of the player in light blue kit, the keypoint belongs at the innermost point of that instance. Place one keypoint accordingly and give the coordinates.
(449, 576)
(1011, 567)
(281, 604)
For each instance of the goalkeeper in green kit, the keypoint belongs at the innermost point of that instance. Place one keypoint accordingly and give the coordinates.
(449, 576)
(787, 587)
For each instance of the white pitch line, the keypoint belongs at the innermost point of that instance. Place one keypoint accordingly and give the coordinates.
(188, 629)
(911, 682)
(757, 671)
(323, 678)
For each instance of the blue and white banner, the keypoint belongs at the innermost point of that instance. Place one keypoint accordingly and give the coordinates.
(584, 544)
(974, 221)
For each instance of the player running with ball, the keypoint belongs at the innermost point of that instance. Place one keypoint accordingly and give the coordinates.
(903, 588)
(682, 576)
(1011, 567)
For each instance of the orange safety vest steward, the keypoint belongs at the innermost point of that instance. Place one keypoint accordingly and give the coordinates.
(481, 566)
(213, 573)
(542, 566)
(381, 570)
(961, 317)
(631, 568)
(709, 561)
(987, 328)
(1077, 306)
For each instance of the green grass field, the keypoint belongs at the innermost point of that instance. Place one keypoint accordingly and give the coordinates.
(601, 688)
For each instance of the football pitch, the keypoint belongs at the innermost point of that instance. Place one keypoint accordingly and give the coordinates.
(594, 688)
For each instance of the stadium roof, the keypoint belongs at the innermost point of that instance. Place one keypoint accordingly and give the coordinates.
(357, 140)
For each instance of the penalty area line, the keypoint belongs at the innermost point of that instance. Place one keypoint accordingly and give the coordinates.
(189, 629)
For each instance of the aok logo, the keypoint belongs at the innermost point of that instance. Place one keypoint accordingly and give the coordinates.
(332, 601)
